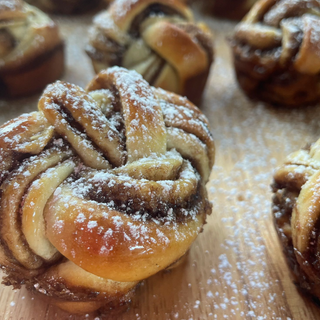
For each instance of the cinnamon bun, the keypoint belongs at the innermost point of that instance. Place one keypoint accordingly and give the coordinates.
(296, 210)
(276, 52)
(31, 50)
(158, 39)
(101, 189)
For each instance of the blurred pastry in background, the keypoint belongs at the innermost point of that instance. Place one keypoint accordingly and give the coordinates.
(228, 9)
(31, 49)
(158, 39)
(276, 52)
(65, 6)
(296, 212)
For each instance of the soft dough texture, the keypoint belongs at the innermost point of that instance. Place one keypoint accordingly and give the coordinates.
(31, 50)
(101, 189)
(158, 39)
(276, 52)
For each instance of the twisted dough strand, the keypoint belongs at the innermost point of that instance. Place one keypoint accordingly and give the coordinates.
(145, 131)
(62, 101)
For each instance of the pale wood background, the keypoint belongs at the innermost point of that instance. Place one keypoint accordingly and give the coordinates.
(236, 269)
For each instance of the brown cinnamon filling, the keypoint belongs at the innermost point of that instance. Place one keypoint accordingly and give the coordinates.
(80, 130)
(7, 42)
(284, 200)
(27, 158)
(116, 198)
(110, 53)
(152, 78)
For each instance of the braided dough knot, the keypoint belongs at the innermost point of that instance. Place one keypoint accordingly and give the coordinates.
(112, 178)
(276, 49)
(159, 40)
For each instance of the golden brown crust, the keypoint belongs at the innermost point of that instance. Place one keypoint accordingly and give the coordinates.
(111, 178)
(159, 40)
(31, 50)
(10, 9)
(276, 52)
(296, 210)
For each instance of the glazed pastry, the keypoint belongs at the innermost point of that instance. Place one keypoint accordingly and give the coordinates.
(158, 39)
(296, 210)
(31, 50)
(276, 52)
(101, 189)
(64, 6)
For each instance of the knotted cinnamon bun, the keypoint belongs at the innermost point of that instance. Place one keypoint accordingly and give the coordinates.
(101, 189)
(296, 210)
(158, 39)
(31, 50)
(276, 52)
(64, 6)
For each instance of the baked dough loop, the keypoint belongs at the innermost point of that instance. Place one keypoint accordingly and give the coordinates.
(276, 52)
(64, 6)
(158, 39)
(101, 189)
(31, 50)
(296, 209)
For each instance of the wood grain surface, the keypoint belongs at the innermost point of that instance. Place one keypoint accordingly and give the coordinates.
(235, 270)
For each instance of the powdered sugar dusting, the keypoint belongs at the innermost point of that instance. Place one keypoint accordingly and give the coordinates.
(287, 9)
(142, 114)
(122, 7)
(235, 269)
(135, 88)
(237, 260)
(10, 5)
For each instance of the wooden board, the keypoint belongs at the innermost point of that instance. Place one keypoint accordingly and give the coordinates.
(235, 270)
